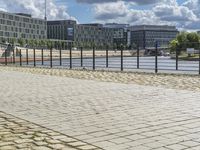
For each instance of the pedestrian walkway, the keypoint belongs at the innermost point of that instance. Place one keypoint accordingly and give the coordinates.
(18, 134)
(108, 115)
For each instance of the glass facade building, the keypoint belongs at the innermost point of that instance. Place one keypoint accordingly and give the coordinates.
(145, 36)
(21, 26)
(120, 33)
(80, 34)
(93, 34)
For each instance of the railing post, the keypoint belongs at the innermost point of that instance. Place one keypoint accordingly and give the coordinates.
(176, 56)
(42, 55)
(156, 58)
(93, 58)
(81, 56)
(6, 57)
(70, 55)
(60, 56)
(20, 57)
(51, 63)
(122, 61)
(26, 56)
(106, 56)
(34, 57)
(138, 57)
(199, 58)
(13, 56)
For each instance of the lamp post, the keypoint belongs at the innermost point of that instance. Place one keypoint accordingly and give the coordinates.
(45, 16)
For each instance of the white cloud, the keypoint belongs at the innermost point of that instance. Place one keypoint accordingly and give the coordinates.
(174, 13)
(110, 10)
(169, 12)
(139, 2)
(36, 8)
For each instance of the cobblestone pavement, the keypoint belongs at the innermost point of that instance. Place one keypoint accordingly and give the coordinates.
(175, 81)
(19, 134)
(109, 115)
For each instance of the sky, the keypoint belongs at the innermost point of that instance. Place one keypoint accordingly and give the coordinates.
(184, 14)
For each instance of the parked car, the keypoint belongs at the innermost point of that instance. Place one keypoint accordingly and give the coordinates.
(74, 48)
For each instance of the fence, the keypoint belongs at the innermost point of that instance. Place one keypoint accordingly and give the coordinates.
(154, 58)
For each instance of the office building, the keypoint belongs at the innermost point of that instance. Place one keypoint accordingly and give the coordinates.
(80, 34)
(145, 36)
(21, 25)
(121, 33)
(93, 34)
(61, 30)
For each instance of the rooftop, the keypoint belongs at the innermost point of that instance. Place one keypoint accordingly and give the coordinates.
(152, 27)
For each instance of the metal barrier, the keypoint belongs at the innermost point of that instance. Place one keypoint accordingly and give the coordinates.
(106, 58)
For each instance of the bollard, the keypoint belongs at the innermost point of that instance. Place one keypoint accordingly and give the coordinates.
(156, 58)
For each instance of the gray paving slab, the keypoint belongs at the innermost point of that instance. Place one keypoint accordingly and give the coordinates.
(108, 115)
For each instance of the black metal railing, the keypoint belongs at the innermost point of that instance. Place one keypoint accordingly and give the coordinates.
(107, 58)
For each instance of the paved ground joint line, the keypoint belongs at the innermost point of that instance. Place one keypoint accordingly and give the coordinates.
(16, 133)
(106, 114)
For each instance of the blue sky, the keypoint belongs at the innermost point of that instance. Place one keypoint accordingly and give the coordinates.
(83, 12)
(185, 14)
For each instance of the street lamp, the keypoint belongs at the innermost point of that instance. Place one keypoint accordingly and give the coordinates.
(45, 17)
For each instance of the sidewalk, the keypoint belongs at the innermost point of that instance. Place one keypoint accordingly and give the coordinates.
(19, 134)
(112, 116)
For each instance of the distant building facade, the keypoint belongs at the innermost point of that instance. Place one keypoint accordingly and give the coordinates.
(93, 34)
(121, 33)
(80, 34)
(145, 36)
(61, 29)
(21, 26)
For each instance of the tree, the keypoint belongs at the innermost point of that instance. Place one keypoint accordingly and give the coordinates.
(185, 40)
(43, 43)
(182, 37)
(12, 41)
(115, 46)
(49, 44)
(21, 42)
(173, 45)
(31, 42)
(134, 46)
(132, 49)
(193, 39)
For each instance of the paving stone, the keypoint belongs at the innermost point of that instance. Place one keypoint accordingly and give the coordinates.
(77, 144)
(103, 114)
(87, 147)
(8, 148)
(190, 143)
(32, 140)
(176, 147)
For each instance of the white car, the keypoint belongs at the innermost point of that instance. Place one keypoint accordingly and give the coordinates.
(74, 48)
